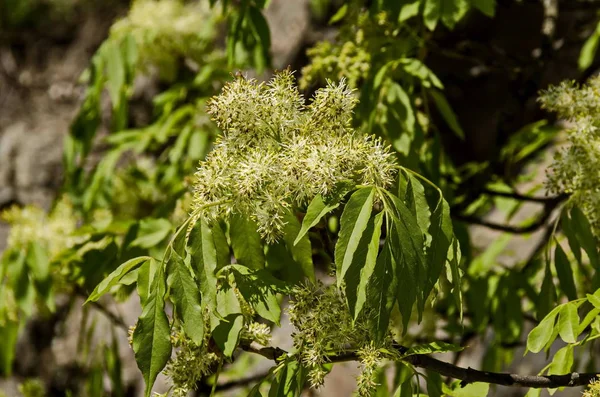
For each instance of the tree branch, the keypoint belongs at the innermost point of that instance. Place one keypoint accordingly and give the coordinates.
(465, 375)
(550, 203)
(523, 197)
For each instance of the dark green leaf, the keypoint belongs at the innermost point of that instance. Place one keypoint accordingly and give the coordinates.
(289, 381)
(246, 243)
(415, 200)
(353, 223)
(369, 265)
(441, 239)
(9, 331)
(564, 272)
(407, 247)
(259, 289)
(446, 110)
(203, 259)
(301, 252)
(382, 289)
(186, 298)
(152, 335)
(227, 334)
(488, 7)
(547, 296)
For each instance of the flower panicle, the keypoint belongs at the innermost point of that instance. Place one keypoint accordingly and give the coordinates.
(277, 153)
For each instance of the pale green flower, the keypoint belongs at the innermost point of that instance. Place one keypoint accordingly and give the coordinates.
(593, 389)
(576, 168)
(277, 154)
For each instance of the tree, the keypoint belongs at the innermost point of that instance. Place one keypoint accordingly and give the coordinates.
(349, 210)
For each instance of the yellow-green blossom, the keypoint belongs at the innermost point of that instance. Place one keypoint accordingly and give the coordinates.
(593, 389)
(576, 168)
(277, 153)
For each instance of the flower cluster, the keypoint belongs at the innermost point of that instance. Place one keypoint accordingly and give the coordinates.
(191, 363)
(371, 358)
(277, 153)
(168, 30)
(361, 40)
(31, 224)
(323, 325)
(576, 168)
(593, 389)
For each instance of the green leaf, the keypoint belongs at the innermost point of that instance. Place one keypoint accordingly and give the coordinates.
(442, 236)
(447, 113)
(382, 290)
(433, 347)
(368, 268)
(594, 300)
(152, 232)
(259, 288)
(353, 223)
(488, 7)
(547, 296)
(145, 278)
(10, 332)
(589, 49)
(289, 381)
(113, 278)
(454, 256)
(416, 202)
(38, 261)
(541, 334)
(416, 68)
(246, 243)
(476, 389)
(588, 319)
(562, 362)
(203, 260)
(186, 298)
(449, 11)
(152, 335)
(301, 252)
(226, 330)
(431, 13)
(568, 323)
(115, 71)
(317, 209)
(339, 15)
(227, 334)
(262, 35)
(407, 247)
(564, 272)
(568, 229)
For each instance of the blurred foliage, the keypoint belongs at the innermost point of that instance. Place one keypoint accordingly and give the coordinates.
(287, 186)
